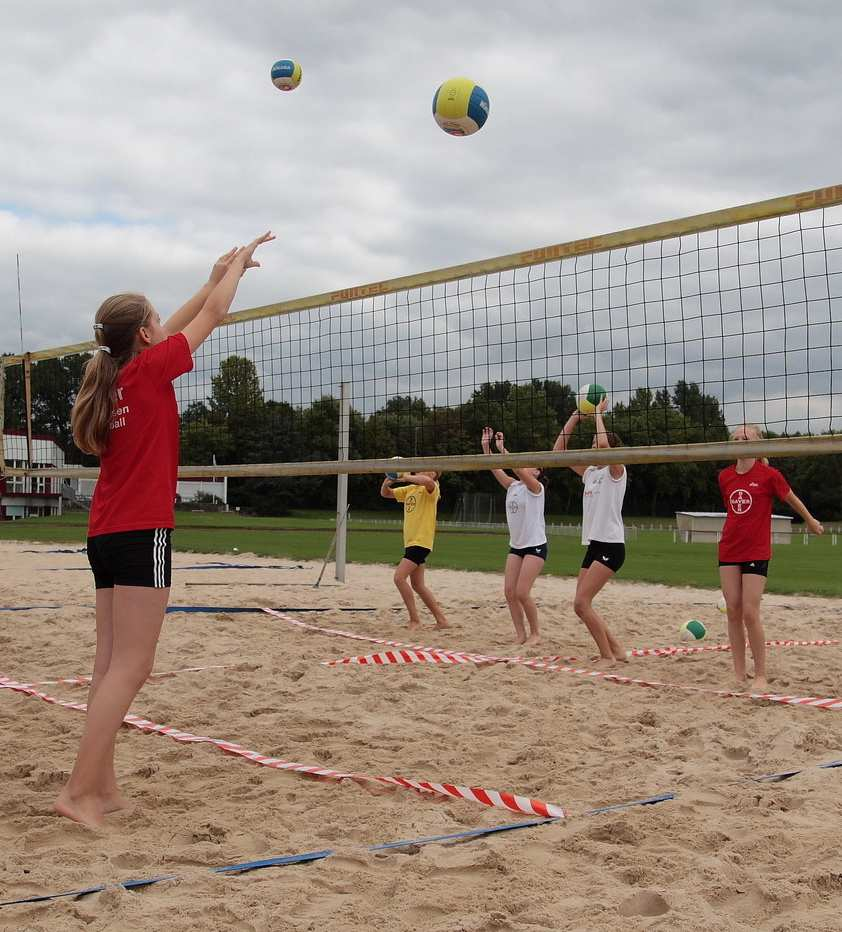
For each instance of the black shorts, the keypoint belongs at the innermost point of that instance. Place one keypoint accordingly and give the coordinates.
(540, 550)
(132, 558)
(611, 555)
(750, 567)
(416, 555)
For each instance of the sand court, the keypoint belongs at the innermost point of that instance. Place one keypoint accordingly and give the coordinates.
(721, 848)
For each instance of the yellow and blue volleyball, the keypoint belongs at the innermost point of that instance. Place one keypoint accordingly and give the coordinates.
(692, 630)
(589, 397)
(460, 107)
(286, 74)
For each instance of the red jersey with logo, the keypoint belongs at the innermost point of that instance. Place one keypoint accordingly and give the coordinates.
(748, 499)
(139, 467)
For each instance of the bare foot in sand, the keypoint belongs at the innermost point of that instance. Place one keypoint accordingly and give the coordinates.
(414, 625)
(532, 640)
(441, 625)
(602, 663)
(87, 810)
(760, 685)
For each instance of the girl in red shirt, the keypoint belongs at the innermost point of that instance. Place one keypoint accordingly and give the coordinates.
(748, 490)
(126, 414)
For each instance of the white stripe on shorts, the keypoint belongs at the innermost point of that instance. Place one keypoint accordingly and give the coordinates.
(158, 555)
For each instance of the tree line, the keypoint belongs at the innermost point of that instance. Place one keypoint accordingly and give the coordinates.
(237, 424)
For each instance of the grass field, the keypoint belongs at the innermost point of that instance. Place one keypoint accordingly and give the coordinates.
(652, 557)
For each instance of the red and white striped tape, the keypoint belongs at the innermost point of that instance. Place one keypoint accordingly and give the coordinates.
(416, 648)
(494, 798)
(815, 702)
(400, 657)
(673, 651)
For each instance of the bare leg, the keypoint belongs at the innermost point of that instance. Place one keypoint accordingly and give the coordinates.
(113, 800)
(530, 570)
(403, 571)
(512, 573)
(731, 580)
(138, 614)
(418, 581)
(589, 583)
(753, 588)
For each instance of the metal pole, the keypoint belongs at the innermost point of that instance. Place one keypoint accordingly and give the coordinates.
(342, 481)
(2, 418)
(27, 387)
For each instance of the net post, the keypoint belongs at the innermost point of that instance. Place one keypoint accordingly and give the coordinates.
(2, 418)
(27, 387)
(342, 481)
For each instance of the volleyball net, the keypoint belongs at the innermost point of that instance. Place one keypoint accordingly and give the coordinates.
(692, 326)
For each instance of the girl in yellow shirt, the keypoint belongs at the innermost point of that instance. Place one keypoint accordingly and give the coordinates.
(420, 498)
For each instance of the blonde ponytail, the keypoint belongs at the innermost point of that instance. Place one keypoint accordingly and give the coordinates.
(116, 324)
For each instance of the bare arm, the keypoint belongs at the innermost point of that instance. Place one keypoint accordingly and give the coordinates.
(526, 475)
(216, 307)
(797, 505)
(616, 471)
(502, 477)
(564, 438)
(187, 312)
(386, 488)
(417, 478)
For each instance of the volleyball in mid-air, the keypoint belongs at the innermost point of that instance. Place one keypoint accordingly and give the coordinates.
(589, 397)
(692, 630)
(286, 74)
(460, 107)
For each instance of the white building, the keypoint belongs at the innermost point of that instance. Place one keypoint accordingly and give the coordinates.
(705, 527)
(25, 497)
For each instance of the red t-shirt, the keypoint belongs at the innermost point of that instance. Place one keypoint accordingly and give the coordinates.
(748, 499)
(139, 467)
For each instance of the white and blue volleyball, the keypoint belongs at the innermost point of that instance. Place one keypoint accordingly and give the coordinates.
(286, 74)
(460, 107)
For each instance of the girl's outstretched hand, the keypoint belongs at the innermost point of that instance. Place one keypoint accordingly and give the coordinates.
(487, 434)
(245, 254)
(500, 441)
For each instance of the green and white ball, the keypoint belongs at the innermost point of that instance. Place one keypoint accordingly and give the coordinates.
(286, 74)
(590, 396)
(460, 107)
(692, 630)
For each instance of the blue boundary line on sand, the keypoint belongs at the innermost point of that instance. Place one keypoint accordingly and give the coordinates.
(308, 856)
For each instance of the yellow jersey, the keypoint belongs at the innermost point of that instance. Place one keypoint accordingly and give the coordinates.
(419, 514)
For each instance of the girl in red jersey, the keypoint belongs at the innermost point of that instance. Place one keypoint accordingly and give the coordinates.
(126, 413)
(745, 548)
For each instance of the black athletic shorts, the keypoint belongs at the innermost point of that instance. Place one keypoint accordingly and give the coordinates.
(132, 558)
(611, 555)
(538, 551)
(416, 554)
(750, 567)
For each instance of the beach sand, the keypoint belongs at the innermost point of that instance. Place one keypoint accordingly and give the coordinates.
(728, 853)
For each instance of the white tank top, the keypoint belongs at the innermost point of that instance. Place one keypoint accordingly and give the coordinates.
(602, 506)
(525, 514)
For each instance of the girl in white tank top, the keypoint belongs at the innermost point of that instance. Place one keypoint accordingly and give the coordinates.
(527, 540)
(602, 532)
